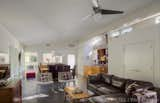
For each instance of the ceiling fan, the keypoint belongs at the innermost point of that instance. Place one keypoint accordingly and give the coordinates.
(99, 11)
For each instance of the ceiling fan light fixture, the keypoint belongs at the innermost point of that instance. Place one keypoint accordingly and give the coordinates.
(48, 45)
(71, 45)
(97, 16)
(95, 3)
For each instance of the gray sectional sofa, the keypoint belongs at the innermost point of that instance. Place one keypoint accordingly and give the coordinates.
(114, 89)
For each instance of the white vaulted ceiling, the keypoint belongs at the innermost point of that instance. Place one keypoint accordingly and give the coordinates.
(57, 21)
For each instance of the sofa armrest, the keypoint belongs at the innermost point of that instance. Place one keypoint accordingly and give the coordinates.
(134, 99)
(157, 90)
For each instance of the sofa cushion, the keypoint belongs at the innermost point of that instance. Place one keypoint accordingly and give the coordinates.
(108, 89)
(94, 78)
(113, 98)
(101, 99)
(106, 78)
(157, 90)
(118, 82)
(94, 86)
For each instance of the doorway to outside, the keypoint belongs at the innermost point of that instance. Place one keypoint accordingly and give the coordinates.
(31, 65)
(71, 60)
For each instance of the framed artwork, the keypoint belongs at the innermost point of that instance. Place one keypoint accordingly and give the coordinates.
(102, 57)
(4, 58)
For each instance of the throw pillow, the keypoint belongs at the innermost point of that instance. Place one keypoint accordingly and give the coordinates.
(131, 88)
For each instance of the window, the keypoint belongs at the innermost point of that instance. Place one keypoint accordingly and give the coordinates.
(47, 58)
(50, 58)
(58, 59)
(71, 60)
(31, 61)
(31, 57)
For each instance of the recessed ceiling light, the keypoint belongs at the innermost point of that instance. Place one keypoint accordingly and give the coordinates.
(48, 45)
(71, 45)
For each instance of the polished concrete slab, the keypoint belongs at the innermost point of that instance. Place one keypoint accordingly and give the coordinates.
(33, 92)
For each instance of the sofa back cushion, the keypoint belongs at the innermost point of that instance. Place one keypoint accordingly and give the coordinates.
(130, 89)
(118, 82)
(106, 78)
(94, 78)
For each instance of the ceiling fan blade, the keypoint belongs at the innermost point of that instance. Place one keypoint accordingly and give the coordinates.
(103, 12)
(95, 3)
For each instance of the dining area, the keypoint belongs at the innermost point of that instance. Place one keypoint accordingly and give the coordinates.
(60, 75)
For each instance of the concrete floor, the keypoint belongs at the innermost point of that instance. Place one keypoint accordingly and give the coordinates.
(32, 92)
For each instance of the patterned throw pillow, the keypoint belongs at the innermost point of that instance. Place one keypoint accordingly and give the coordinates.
(131, 88)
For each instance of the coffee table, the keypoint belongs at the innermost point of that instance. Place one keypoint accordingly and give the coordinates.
(74, 97)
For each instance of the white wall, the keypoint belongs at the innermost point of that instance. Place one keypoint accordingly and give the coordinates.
(84, 49)
(7, 40)
(143, 33)
(116, 46)
(7, 44)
